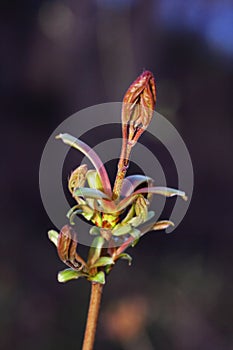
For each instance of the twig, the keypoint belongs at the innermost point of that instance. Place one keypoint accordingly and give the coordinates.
(92, 318)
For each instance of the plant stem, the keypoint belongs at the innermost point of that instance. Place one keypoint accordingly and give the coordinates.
(122, 167)
(92, 318)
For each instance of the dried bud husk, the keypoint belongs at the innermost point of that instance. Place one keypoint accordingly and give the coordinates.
(138, 106)
(66, 248)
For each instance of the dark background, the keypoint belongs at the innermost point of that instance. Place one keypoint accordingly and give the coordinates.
(60, 57)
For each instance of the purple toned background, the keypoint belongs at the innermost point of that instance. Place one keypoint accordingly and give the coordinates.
(60, 57)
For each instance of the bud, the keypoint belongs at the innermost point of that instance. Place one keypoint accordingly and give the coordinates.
(137, 111)
(138, 106)
(77, 178)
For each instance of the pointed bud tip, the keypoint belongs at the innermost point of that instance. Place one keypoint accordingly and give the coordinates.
(147, 74)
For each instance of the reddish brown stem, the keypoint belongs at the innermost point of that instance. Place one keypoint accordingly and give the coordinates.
(122, 165)
(92, 318)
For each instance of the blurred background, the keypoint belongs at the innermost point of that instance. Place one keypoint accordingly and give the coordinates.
(58, 57)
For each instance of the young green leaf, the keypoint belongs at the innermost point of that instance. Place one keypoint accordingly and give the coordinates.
(98, 278)
(135, 233)
(87, 192)
(53, 236)
(159, 225)
(93, 180)
(94, 231)
(129, 215)
(162, 225)
(103, 261)
(121, 229)
(73, 214)
(164, 191)
(92, 156)
(125, 256)
(69, 274)
(95, 250)
(133, 181)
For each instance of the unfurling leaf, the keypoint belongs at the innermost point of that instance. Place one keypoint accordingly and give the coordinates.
(53, 236)
(135, 242)
(82, 209)
(87, 192)
(121, 229)
(93, 180)
(98, 278)
(94, 231)
(164, 191)
(162, 225)
(92, 156)
(159, 225)
(69, 274)
(136, 234)
(95, 250)
(130, 183)
(73, 212)
(125, 256)
(103, 261)
(129, 215)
